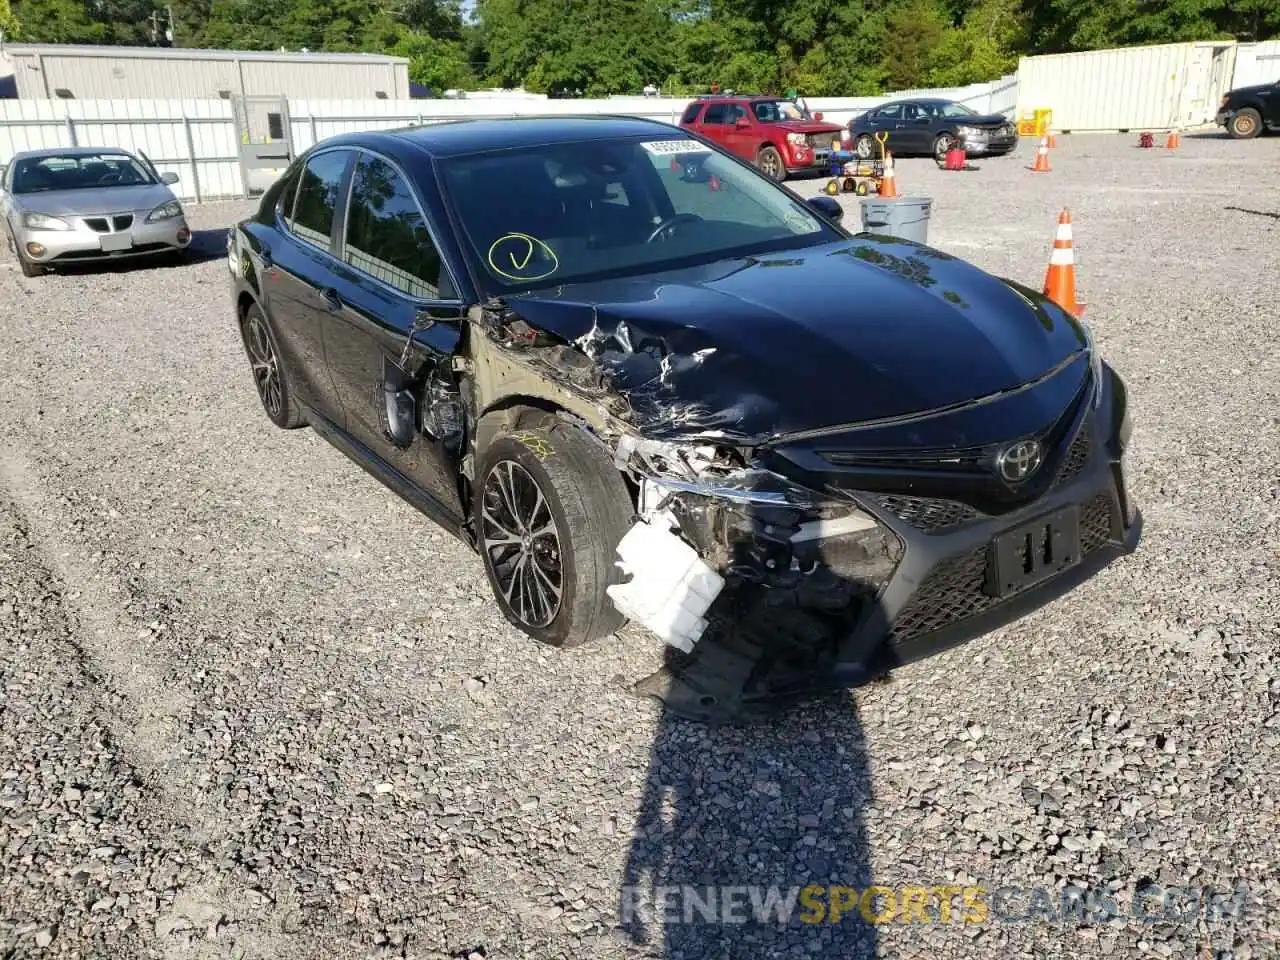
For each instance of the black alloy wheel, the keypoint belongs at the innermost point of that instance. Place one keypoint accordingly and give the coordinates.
(270, 378)
(522, 544)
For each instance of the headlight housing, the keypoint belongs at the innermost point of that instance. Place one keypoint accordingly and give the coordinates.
(796, 139)
(43, 221)
(967, 131)
(166, 211)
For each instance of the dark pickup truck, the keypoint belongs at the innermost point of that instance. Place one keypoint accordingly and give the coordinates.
(1247, 110)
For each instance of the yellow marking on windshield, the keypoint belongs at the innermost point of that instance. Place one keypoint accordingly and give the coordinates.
(519, 249)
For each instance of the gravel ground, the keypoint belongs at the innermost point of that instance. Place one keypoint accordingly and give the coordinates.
(255, 706)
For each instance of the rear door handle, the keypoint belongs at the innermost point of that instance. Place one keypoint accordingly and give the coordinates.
(331, 298)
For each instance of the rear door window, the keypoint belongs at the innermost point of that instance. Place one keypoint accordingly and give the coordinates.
(317, 203)
(387, 236)
(716, 113)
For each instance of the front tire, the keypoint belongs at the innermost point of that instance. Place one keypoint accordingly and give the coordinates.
(270, 376)
(550, 509)
(28, 268)
(1245, 125)
(770, 163)
(941, 144)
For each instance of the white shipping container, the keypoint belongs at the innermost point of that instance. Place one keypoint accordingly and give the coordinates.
(1133, 88)
(1257, 63)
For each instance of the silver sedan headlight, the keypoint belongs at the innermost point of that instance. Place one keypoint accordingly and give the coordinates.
(166, 211)
(42, 221)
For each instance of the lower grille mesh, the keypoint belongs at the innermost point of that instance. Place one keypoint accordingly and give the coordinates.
(956, 590)
(1077, 456)
(927, 514)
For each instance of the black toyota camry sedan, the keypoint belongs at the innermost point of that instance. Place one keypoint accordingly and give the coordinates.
(646, 382)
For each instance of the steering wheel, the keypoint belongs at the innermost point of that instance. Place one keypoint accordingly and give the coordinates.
(670, 222)
(110, 178)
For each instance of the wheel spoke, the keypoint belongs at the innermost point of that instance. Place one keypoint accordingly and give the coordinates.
(506, 483)
(539, 505)
(508, 538)
(546, 587)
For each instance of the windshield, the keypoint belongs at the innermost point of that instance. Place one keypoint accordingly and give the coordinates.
(775, 111)
(568, 212)
(78, 172)
(957, 110)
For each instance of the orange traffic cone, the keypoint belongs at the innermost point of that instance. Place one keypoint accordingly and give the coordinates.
(1053, 140)
(1174, 140)
(1042, 157)
(888, 188)
(1060, 278)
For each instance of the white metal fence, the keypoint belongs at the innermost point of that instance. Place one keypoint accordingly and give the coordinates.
(197, 139)
(193, 138)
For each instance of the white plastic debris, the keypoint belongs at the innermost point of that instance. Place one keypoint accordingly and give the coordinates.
(670, 589)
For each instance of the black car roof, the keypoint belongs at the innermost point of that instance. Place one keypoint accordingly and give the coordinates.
(457, 137)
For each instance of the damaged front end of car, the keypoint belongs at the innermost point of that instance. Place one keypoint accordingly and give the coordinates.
(752, 579)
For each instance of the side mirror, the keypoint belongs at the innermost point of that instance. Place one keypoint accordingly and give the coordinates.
(169, 178)
(828, 207)
(818, 115)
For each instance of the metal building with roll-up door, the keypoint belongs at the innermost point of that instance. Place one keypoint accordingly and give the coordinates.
(61, 71)
(258, 84)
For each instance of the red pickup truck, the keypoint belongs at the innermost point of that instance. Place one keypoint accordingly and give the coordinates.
(778, 135)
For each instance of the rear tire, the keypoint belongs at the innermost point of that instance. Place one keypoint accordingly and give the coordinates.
(270, 375)
(770, 163)
(569, 511)
(1245, 125)
(864, 147)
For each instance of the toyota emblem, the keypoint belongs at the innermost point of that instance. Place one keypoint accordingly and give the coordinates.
(1019, 461)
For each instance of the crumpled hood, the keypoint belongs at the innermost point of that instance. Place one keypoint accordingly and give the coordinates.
(845, 332)
(80, 203)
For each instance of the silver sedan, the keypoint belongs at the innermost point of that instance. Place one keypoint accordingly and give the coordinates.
(77, 204)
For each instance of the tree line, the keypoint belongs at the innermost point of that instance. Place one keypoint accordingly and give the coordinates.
(600, 47)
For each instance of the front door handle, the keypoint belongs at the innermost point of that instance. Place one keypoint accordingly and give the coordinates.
(331, 298)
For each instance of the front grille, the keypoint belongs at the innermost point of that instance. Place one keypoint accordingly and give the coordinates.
(1095, 524)
(1077, 456)
(120, 221)
(956, 590)
(967, 459)
(928, 514)
(822, 141)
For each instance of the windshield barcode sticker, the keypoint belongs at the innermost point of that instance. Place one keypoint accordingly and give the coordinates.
(667, 147)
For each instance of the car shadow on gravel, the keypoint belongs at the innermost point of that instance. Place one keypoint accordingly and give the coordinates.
(750, 840)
